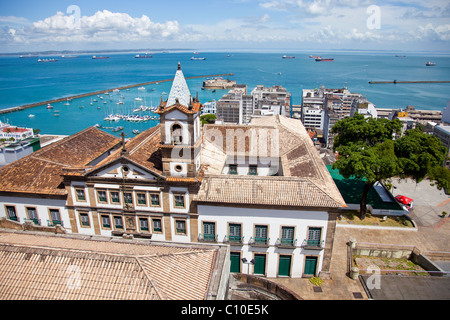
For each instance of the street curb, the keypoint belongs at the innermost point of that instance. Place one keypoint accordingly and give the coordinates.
(340, 225)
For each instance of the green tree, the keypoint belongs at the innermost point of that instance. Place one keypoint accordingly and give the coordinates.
(368, 152)
(420, 156)
(208, 118)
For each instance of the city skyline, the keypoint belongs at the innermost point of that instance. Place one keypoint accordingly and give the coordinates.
(235, 24)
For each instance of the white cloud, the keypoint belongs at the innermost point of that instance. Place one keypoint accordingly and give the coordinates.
(103, 26)
(429, 32)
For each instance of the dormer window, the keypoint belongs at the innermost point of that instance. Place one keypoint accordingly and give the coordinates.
(177, 136)
(233, 169)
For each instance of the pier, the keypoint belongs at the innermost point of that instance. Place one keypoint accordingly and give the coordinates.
(37, 104)
(419, 81)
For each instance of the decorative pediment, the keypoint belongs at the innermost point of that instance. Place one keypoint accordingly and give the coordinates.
(123, 169)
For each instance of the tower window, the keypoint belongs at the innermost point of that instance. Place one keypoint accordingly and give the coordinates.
(177, 137)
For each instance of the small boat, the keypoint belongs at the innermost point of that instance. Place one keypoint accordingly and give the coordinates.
(136, 131)
(288, 57)
(95, 57)
(324, 59)
(49, 106)
(141, 88)
(116, 129)
(31, 116)
(141, 56)
(430, 64)
(193, 58)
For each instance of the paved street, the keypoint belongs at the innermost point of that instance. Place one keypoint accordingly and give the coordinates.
(429, 202)
(433, 234)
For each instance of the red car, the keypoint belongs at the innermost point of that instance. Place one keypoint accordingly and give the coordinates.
(407, 202)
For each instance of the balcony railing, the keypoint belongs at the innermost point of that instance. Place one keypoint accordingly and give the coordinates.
(54, 223)
(207, 237)
(35, 221)
(256, 241)
(233, 239)
(286, 242)
(313, 244)
(14, 218)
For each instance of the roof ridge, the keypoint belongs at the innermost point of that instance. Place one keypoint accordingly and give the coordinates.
(151, 136)
(325, 193)
(160, 294)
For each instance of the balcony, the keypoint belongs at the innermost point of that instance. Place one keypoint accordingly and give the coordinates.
(34, 221)
(286, 243)
(14, 218)
(313, 244)
(259, 242)
(234, 240)
(54, 223)
(207, 237)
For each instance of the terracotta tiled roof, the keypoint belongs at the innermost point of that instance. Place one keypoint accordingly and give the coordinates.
(195, 108)
(36, 266)
(181, 276)
(282, 191)
(142, 150)
(40, 172)
(303, 181)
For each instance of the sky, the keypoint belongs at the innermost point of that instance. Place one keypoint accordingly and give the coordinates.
(272, 25)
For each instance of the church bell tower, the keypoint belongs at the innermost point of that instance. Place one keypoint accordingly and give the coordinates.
(180, 130)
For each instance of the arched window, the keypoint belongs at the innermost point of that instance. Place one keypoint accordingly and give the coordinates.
(177, 134)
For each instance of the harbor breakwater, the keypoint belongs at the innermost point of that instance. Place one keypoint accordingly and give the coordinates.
(37, 104)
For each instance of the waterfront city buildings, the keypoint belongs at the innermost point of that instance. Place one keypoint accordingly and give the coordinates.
(239, 107)
(261, 189)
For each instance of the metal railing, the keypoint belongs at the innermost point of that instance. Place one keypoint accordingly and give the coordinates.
(233, 239)
(286, 242)
(54, 223)
(207, 237)
(257, 241)
(35, 221)
(313, 244)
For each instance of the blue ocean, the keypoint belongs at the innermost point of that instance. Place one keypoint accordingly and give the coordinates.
(25, 80)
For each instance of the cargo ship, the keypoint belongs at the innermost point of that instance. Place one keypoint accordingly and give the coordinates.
(324, 59)
(95, 57)
(430, 64)
(288, 57)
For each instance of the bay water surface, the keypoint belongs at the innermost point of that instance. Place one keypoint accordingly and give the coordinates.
(25, 80)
